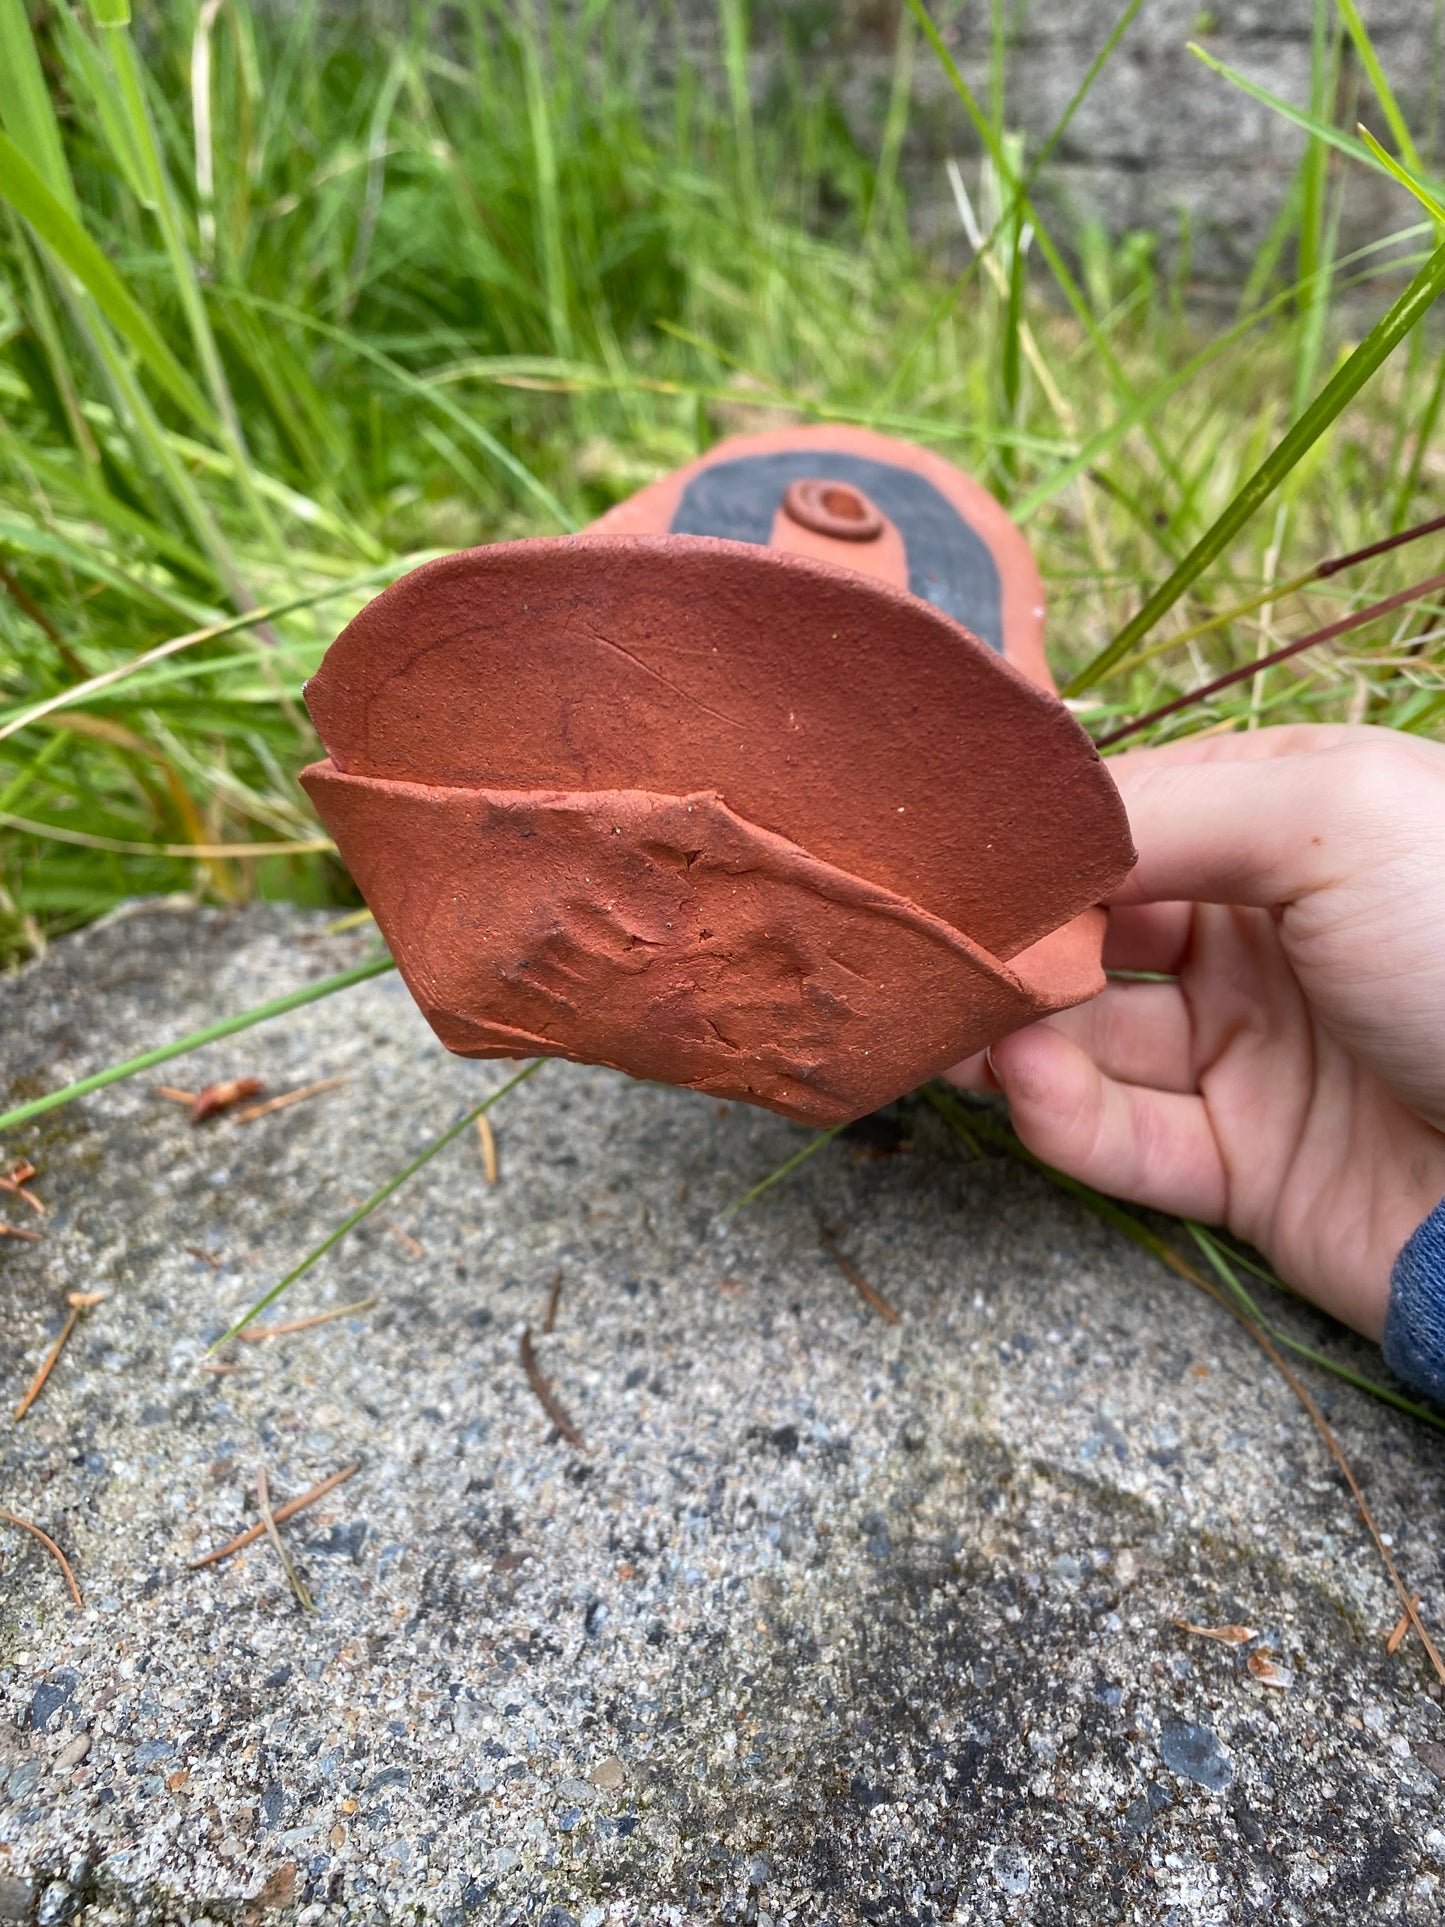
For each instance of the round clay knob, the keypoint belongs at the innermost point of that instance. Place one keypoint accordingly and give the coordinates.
(832, 508)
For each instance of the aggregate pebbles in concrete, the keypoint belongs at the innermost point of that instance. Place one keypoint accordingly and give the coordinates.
(831, 1620)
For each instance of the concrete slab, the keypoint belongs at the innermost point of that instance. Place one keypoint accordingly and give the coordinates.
(832, 1620)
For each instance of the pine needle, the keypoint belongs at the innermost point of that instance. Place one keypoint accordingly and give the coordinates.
(280, 1515)
(45, 1539)
(268, 1520)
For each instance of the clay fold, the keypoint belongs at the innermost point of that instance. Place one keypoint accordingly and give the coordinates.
(670, 938)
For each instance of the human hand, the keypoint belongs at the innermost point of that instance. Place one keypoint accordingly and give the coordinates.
(1288, 1082)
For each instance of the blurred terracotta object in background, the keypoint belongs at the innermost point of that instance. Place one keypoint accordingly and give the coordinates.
(760, 785)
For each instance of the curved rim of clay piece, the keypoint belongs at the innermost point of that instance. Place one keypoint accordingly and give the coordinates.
(883, 738)
(655, 509)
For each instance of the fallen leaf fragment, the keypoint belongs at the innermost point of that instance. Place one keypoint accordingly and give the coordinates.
(216, 1098)
(1226, 1635)
(1263, 1668)
(278, 1889)
(15, 1180)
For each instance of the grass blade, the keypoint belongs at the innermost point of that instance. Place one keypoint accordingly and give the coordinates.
(1411, 183)
(1219, 1259)
(1308, 123)
(775, 1177)
(1384, 93)
(427, 391)
(1386, 335)
(25, 109)
(62, 233)
(108, 678)
(1355, 620)
(209, 1034)
(376, 1199)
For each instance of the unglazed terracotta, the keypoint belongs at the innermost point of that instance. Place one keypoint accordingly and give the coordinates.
(752, 816)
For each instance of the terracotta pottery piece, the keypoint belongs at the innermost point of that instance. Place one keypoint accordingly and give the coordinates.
(758, 786)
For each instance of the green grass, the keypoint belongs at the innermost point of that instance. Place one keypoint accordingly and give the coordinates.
(286, 306)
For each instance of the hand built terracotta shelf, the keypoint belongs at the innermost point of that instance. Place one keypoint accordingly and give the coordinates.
(760, 785)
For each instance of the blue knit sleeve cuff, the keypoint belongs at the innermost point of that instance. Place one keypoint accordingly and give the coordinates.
(1414, 1341)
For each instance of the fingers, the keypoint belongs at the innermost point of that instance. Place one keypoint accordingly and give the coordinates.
(1251, 745)
(1148, 936)
(1153, 1147)
(1274, 825)
(1137, 1033)
(973, 1074)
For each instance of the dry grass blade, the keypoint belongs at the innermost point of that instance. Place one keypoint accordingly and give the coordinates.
(856, 1279)
(268, 1520)
(554, 1297)
(1176, 1263)
(546, 1397)
(1401, 1628)
(1226, 1635)
(45, 1539)
(488, 1140)
(1326, 1432)
(258, 1334)
(1356, 620)
(288, 1098)
(413, 1245)
(79, 1301)
(281, 1514)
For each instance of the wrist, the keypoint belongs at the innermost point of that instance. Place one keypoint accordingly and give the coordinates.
(1414, 1339)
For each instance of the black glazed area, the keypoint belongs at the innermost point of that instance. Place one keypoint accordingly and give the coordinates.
(949, 563)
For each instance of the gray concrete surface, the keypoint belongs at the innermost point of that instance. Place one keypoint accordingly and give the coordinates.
(832, 1621)
(1160, 144)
